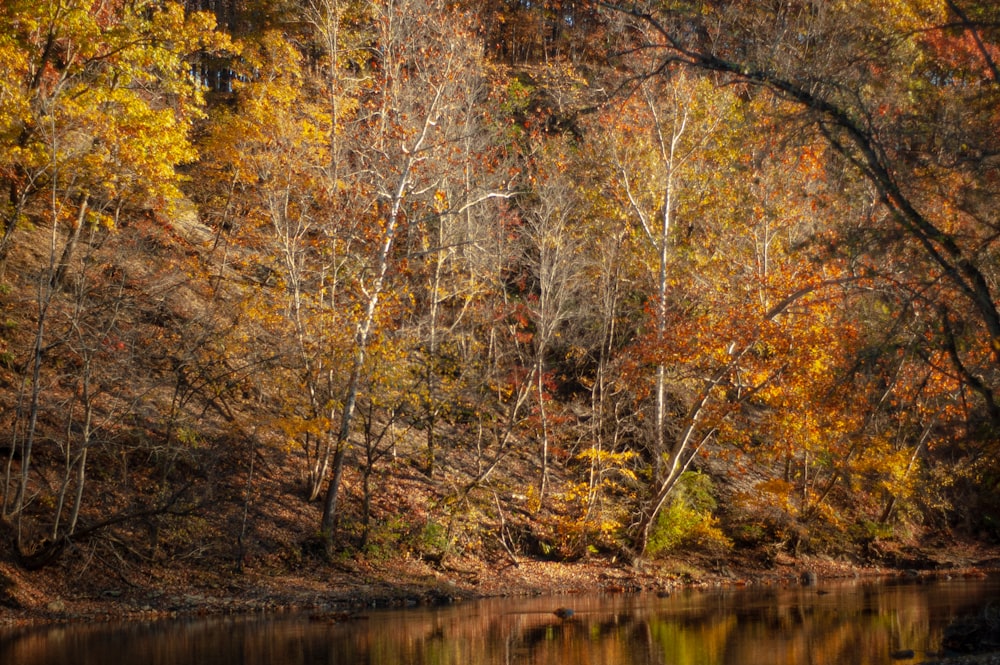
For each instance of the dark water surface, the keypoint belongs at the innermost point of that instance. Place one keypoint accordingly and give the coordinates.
(857, 623)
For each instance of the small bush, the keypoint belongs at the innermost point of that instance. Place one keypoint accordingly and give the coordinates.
(433, 538)
(688, 520)
(386, 538)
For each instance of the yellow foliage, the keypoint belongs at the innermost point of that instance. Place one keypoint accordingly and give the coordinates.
(778, 493)
(107, 115)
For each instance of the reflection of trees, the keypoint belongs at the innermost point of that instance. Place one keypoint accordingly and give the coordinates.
(773, 627)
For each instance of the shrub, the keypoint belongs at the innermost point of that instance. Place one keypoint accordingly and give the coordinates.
(688, 520)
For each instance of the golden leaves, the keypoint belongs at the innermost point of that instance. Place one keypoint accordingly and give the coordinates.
(102, 106)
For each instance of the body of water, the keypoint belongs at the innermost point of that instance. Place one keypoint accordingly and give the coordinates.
(857, 623)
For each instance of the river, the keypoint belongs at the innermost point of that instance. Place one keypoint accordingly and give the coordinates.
(843, 623)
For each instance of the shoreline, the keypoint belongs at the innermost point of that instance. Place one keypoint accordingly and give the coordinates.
(358, 584)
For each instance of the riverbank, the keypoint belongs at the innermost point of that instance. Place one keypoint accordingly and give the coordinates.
(95, 594)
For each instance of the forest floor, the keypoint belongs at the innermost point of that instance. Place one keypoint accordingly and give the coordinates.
(56, 595)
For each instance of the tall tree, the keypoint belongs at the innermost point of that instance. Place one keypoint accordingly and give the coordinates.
(881, 84)
(422, 55)
(275, 155)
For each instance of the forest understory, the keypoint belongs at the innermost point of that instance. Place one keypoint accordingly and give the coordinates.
(279, 568)
(226, 555)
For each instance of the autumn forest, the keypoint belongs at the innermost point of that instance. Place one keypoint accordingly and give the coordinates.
(558, 279)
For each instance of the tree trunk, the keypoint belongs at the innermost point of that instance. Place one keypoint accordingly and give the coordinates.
(59, 275)
(543, 416)
(329, 520)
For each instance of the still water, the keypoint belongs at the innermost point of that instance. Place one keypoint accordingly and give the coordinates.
(856, 623)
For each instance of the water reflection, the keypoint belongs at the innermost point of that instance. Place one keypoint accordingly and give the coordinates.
(859, 623)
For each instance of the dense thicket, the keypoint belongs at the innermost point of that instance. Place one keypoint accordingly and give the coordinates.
(607, 278)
